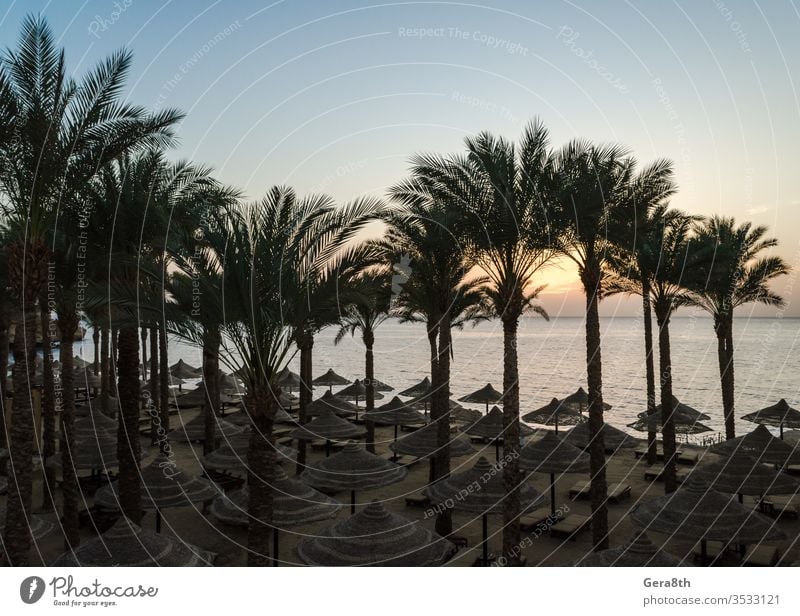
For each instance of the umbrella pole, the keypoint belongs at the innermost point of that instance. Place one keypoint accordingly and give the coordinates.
(741, 498)
(497, 450)
(485, 523)
(781, 430)
(553, 494)
(327, 448)
(275, 542)
(352, 502)
(556, 424)
(703, 551)
(158, 520)
(395, 433)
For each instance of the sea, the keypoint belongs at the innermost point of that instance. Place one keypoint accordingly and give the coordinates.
(552, 362)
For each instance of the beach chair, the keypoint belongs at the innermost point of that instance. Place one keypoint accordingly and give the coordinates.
(785, 505)
(579, 489)
(689, 458)
(570, 527)
(761, 556)
(656, 473)
(417, 500)
(532, 523)
(793, 469)
(618, 492)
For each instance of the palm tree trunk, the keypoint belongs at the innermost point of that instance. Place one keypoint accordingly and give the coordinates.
(48, 406)
(211, 344)
(144, 353)
(433, 335)
(597, 457)
(305, 342)
(261, 463)
(667, 420)
(724, 331)
(154, 401)
(3, 380)
(511, 435)
(652, 455)
(440, 413)
(114, 360)
(163, 385)
(369, 373)
(17, 540)
(105, 376)
(128, 450)
(69, 479)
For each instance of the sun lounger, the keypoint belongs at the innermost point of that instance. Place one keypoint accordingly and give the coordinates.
(533, 523)
(688, 457)
(656, 473)
(793, 469)
(784, 505)
(570, 527)
(286, 441)
(579, 489)
(641, 452)
(761, 556)
(417, 500)
(618, 492)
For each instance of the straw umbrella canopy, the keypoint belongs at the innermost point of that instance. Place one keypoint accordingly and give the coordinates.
(695, 512)
(231, 456)
(681, 413)
(550, 454)
(420, 389)
(580, 400)
(613, 438)
(685, 419)
(228, 383)
(329, 379)
(481, 490)
(97, 452)
(39, 527)
(293, 504)
(242, 419)
(639, 551)
(779, 415)
(395, 413)
(375, 537)
(422, 443)
(288, 379)
(353, 469)
(182, 370)
(199, 397)
(127, 545)
(331, 402)
(194, 431)
(743, 474)
(490, 427)
(761, 445)
(164, 485)
(357, 391)
(485, 395)
(555, 413)
(328, 426)
(78, 362)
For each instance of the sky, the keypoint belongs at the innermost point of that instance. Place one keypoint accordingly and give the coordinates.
(335, 97)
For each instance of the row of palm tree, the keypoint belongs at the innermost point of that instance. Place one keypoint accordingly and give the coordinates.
(100, 227)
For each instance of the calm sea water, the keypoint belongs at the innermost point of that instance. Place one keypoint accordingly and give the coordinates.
(552, 361)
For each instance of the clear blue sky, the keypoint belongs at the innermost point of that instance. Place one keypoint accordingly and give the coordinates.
(334, 96)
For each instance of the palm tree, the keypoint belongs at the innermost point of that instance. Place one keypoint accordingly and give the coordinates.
(737, 274)
(54, 134)
(632, 265)
(370, 306)
(586, 196)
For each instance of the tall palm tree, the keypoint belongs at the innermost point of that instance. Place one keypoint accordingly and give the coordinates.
(737, 274)
(586, 194)
(633, 263)
(368, 308)
(55, 132)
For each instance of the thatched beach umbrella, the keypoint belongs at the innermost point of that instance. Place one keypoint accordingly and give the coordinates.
(357, 391)
(242, 419)
(95, 453)
(182, 370)
(329, 379)
(761, 445)
(293, 504)
(288, 380)
(420, 389)
(229, 383)
(580, 400)
(485, 395)
(550, 454)
(743, 474)
(353, 469)
(681, 413)
(231, 456)
(555, 413)
(194, 431)
(481, 490)
(199, 397)
(330, 402)
(779, 415)
(375, 537)
(378, 386)
(613, 438)
(490, 427)
(39, 527)
(423, 442)
(639, 551)
(685, 419)
(695, 512)
(395, 413)
(127, 545)
(164, 485)
(329, 427)
(79, 362)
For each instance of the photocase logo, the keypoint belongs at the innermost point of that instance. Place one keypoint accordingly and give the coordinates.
(31, 589)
